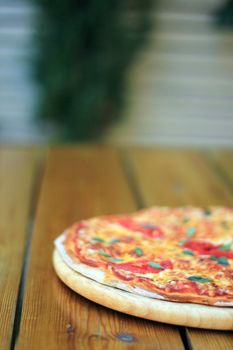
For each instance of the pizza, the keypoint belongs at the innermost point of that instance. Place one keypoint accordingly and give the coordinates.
(180, 254)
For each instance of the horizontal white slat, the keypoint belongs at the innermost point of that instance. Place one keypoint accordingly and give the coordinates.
(15, 74)
(29, 92)
(169, 140)
(12, 8)
(16, 52)
(182, 23)
(220, 57)
(13, 62)
(181, 125)
(23, 136)
(12, 33)
(187, 6)
(139, 135)
(14, 117)
(183, 113)
(181, 88)
(182, 77)
(218, 46)
(183, 67)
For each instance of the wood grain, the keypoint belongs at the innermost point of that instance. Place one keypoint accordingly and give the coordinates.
(17, 178)
(178, 177)
(79, 183)
(223, 160)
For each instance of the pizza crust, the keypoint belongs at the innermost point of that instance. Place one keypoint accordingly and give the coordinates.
(184, 314)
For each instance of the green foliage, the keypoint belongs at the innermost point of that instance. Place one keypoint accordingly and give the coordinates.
(84, 49)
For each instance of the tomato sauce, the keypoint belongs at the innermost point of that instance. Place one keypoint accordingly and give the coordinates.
(183, 287)
(144, 228)
(207, 248)
(121, 275)
(142, 266)
(84, 259)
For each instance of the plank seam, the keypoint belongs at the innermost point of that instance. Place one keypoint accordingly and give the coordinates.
(131, 179)
(21, 290)
(221, 174)
(184, 334)
(219, 171)
(39, 171)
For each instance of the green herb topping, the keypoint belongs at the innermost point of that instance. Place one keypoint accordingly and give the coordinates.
(191, 231)
(225, 225)
(138, 251)
(222, 260)
(114, 241)
(101, 252)
(213, 257)
(226, 246)
(199, 279)
(115, 260)
(188, 252)
(155, 265)
(185, 220)
(207, 211)
(182, 241)
(98, 239)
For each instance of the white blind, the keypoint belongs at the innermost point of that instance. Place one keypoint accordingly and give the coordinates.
(17, 90)
(181, 87)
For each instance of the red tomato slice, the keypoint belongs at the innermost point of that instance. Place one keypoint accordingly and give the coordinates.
(207, 248)
(86, 260)
(142, 266)
(145, 228)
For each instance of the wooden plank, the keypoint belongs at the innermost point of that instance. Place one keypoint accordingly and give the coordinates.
(175, 177)
(223, 160)
(209, 340)
(79, 183)
(178, 177)
(17, 177)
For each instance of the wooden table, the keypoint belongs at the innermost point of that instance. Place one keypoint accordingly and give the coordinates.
(44, 191)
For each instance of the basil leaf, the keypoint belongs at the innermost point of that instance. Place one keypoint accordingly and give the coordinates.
(199, 279)
(138, 251)
(115, 260)
(114, 241)
(223, 261)
(225, 225)
(188, 252)
(155, 265)
(98, 239)
(191, 231)
(207, 211)
(185, 220)
(213, 257)
(226, 246)
(101, 252)
(182, 241)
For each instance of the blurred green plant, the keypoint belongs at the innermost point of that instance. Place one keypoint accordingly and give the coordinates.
(84, 50)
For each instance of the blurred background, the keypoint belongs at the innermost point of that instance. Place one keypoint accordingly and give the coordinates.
(119, 72)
